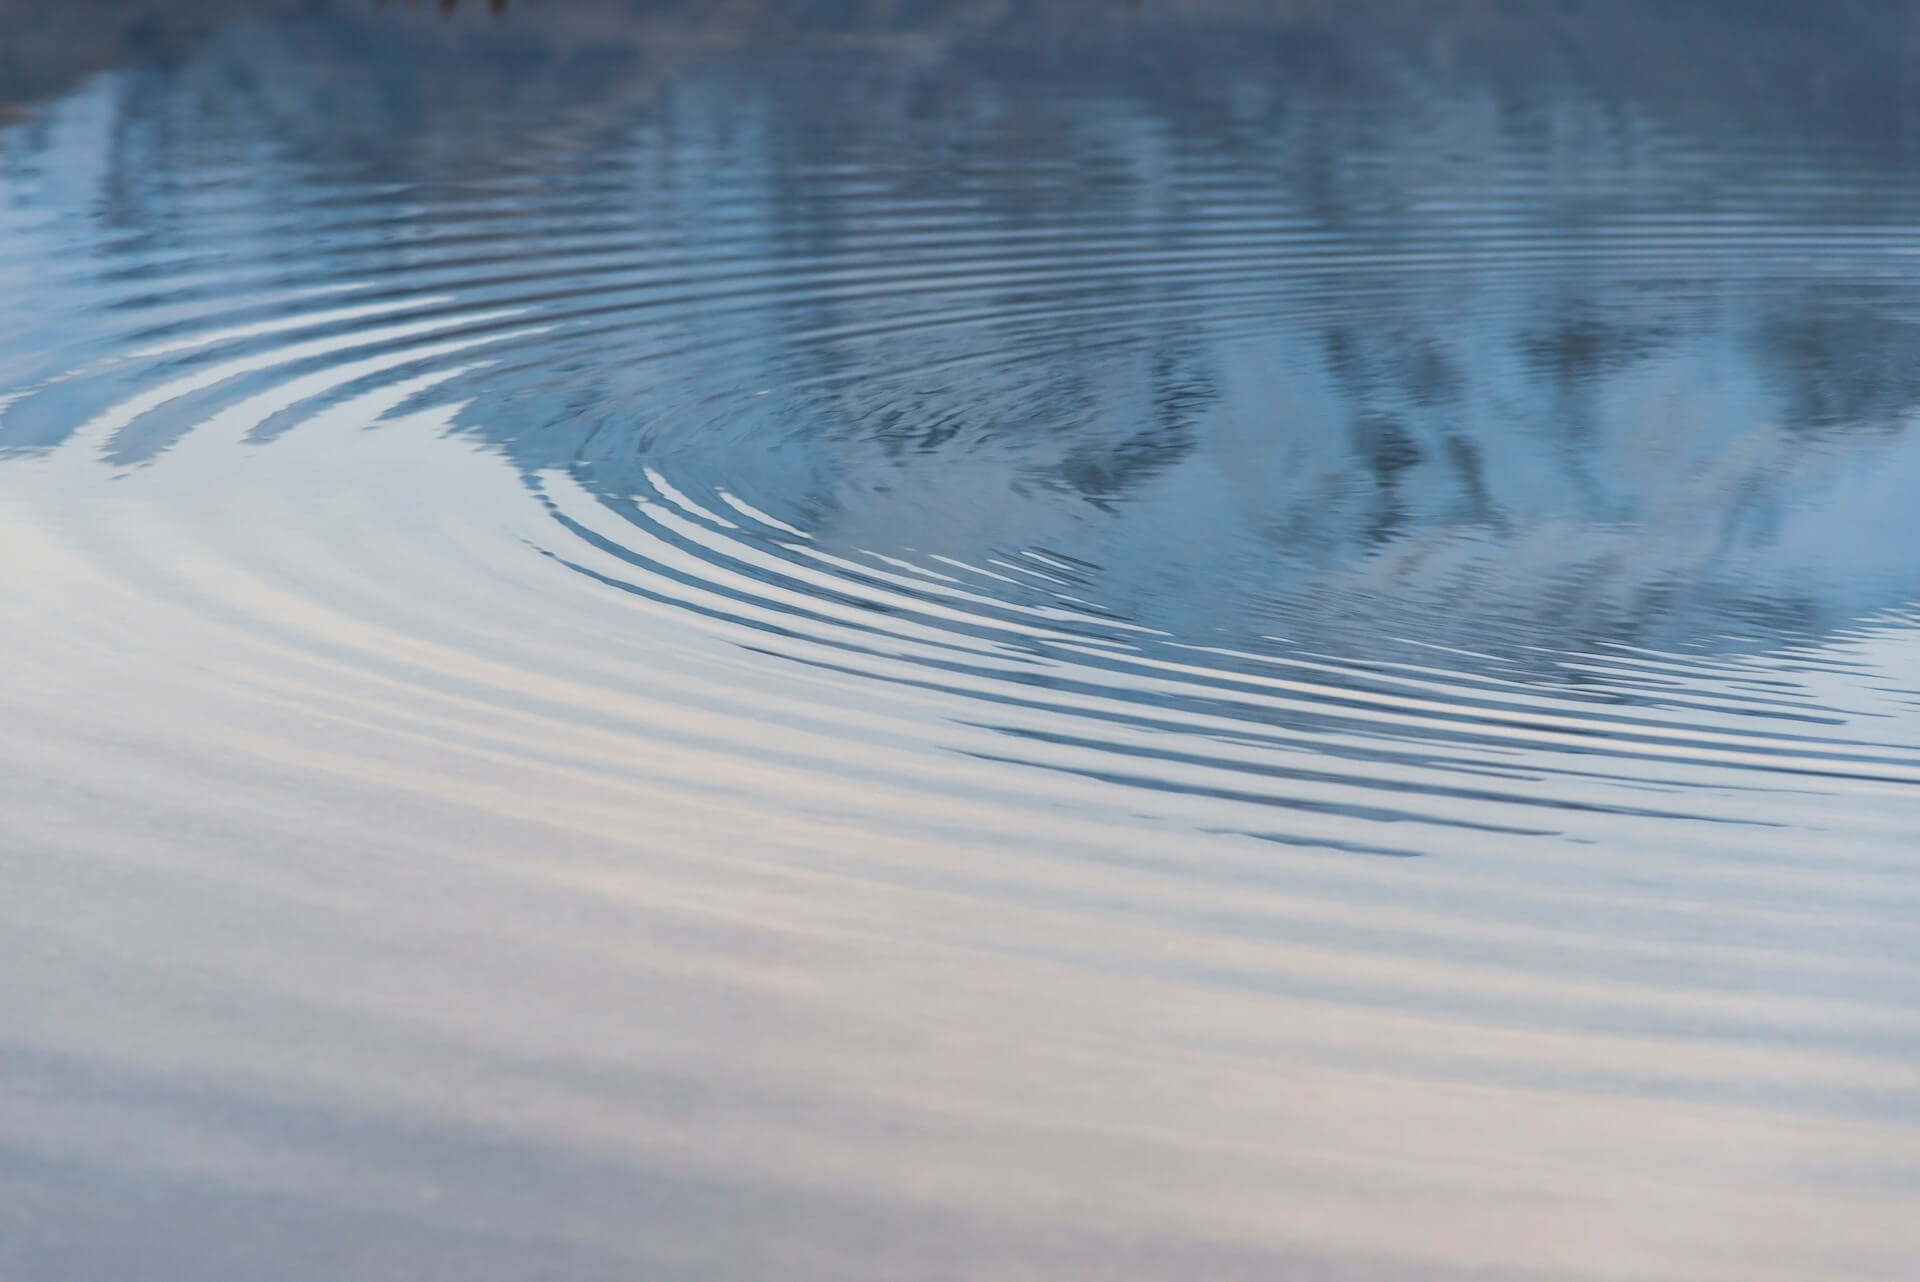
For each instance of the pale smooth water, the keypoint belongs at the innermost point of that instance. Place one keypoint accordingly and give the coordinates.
(1045, 641)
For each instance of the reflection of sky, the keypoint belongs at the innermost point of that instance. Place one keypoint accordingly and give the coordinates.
(1268, 354)
(384, 898)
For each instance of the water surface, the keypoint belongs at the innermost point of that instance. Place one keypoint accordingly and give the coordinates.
(1200, 641)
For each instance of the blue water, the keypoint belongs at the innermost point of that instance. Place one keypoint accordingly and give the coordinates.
(1062, 641)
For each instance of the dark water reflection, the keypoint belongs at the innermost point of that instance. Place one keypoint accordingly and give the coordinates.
(1274, 326)
(967, 470)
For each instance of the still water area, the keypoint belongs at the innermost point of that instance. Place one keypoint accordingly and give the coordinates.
(944, 641)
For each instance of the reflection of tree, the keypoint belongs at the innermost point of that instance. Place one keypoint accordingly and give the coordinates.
(497, 7)
(1847, 366)
(1416, 407)
(1769, 64)
(1179, 389)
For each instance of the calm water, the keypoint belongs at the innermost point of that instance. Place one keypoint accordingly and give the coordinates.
(1051, 642)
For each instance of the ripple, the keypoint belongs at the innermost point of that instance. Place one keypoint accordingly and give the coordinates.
(1004, 631)
(1272, 528)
